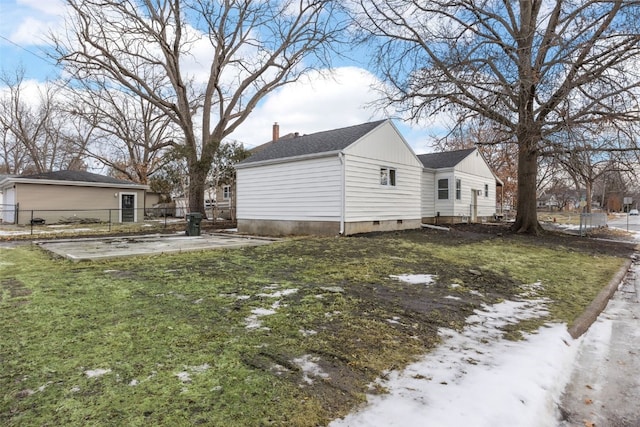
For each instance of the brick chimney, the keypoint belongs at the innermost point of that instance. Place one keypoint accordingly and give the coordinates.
(276, 132)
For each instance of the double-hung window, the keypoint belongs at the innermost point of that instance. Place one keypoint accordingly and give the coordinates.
(226, 192)
(443, 189)
(486, 190)
(458, 189)
(388, 177)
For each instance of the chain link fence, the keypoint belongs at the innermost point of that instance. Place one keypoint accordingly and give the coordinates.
(15, 221)
(590, 221)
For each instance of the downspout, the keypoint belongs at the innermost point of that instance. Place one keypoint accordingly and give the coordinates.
(343, 190)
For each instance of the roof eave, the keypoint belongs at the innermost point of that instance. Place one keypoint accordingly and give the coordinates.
(288, 159)
(18, 180)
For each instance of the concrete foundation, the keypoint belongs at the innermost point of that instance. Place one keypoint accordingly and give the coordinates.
(321, 228)
(450, 220)
(391, 225)
(263, 227)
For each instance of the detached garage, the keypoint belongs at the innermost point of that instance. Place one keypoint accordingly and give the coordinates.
(56, 196)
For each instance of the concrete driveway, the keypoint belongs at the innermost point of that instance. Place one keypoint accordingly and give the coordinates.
(112, 247)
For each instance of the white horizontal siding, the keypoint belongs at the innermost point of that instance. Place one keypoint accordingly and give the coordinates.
(384, 143)
(428, 202)
(368, 200)
(475, 164)
(444, 207)
(304, 190)
(486, 206)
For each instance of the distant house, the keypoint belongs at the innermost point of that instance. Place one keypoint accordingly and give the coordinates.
(457, 186)
(58, 196)
(356, 179)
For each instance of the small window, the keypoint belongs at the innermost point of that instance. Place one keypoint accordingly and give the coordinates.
(388, 177)
(443, 189)
(458, 189)
(226, 192)
(486, 190)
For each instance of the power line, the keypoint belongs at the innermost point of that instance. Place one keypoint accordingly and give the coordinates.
(27, 50)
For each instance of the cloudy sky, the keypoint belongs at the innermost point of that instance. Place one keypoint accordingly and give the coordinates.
(308, 106)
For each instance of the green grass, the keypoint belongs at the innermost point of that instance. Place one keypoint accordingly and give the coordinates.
(151, 320)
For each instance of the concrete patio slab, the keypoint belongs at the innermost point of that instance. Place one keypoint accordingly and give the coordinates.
(113, 247)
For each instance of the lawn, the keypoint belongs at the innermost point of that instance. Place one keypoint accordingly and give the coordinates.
(289, 334)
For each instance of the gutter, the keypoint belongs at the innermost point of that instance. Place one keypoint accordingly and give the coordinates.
(287, 159)
(343, 196)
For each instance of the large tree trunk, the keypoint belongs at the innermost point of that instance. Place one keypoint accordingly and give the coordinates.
(197, 186)
(527, 215)
(588, 191)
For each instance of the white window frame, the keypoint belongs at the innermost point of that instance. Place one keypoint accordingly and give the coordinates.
(486, 190)
(226, 192)
(458, 189)
(388, 177)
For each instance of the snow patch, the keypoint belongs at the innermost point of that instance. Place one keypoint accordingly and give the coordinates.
(310, 368)
(477, 378)
(279, 294)
(415, 279)
(94, 373)
(185, 376)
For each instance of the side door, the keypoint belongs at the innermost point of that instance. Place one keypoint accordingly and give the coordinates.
(128, 207)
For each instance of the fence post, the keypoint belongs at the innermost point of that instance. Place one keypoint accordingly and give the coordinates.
(109, 220)
(31, 222)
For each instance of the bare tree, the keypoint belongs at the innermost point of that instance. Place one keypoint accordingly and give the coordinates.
(532, 67)
(33, 127)
(250, 48)
(129, 135)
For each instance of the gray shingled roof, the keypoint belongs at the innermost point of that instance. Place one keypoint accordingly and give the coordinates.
(315, 143)
(77, 176)
(445, 159)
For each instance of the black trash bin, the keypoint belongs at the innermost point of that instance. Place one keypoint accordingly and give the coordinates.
(193, 223)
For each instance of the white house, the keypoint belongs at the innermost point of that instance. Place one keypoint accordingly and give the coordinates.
(457, 186)
(352, 180)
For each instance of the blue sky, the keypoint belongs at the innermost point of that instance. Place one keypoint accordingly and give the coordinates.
(338, 102)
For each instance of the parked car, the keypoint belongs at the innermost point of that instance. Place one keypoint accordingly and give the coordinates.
(634, 212)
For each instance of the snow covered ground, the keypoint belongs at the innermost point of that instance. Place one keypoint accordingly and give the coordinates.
(477, 378)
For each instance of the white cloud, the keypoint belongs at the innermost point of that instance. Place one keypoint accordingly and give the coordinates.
(31, 32)
(49, 7)
(313, 104)
(324, 102)
(29, 22)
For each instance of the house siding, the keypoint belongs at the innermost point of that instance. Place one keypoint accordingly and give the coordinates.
(428, 201)
(366, 199)
(485, 205)
(306, 190)
(474, 173)
(54, 203)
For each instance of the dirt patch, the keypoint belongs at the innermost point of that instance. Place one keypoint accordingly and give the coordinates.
(13, 291)
(410, 315)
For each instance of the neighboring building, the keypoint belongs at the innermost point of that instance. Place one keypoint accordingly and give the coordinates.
(59, 196)
(220, 202)
(352, 180)
(457, 186)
